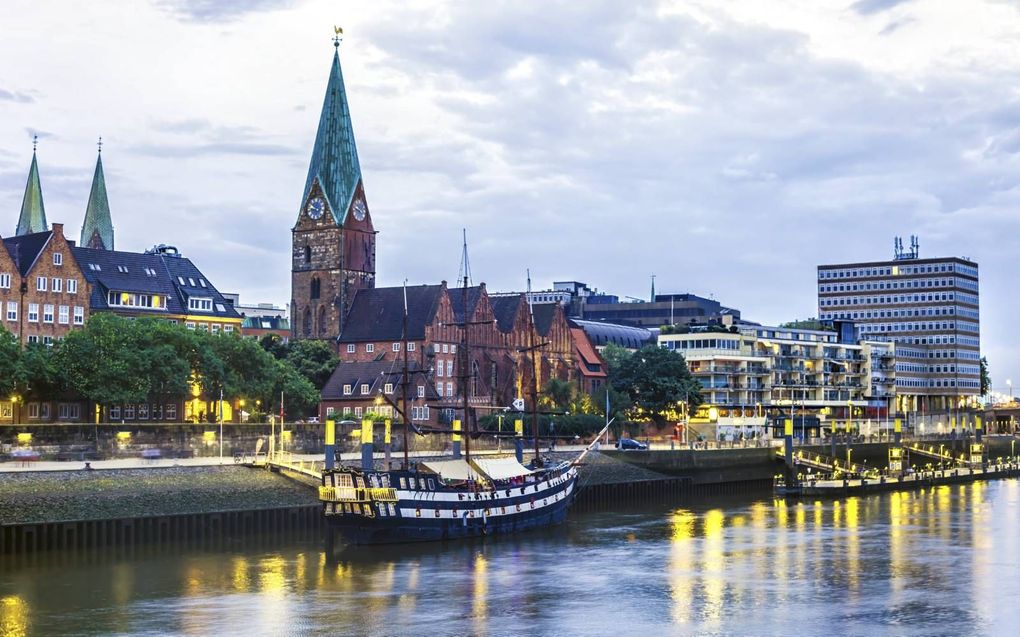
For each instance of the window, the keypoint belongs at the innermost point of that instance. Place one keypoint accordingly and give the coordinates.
(446, 348)
(453, 349)
(12, 311)
(180, 280)
(449, 369)
(58, 259)
(370, 347)
(358, 411)
(149, 272)
(308, 255)
(171, 411)
(40, 283)
(347, 390)
(129, 412)
(350, 348)
(439, 389)
(5, 280)
(72, 286)
(79, 315)
(410, 347)
(143, 411)
(47, 316)
(65, 315)
(364, 388)
(122, 269)
(191, 281)
(396, 347)
(32, 338)
(315, 290)
(421, 391)
(202, 282)
(57, 285)
(115, 412)
(216, 328)
(439, 368)
(449, 389)
(228, 329)
(33, 312)
(190, 325)
(388, 388)
(201, 304)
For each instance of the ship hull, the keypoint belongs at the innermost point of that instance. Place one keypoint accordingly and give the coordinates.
(436, 515)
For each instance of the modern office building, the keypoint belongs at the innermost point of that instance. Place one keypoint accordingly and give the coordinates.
(928, 307)
(665, 309)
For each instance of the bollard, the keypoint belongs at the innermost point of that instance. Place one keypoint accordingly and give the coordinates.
(456, 438)
(519, 440)
(898, 431)
(387, 441)
(330, 443)
(978, 425)
(367, 450)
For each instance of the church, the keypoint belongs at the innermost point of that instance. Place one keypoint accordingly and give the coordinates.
(334, 298)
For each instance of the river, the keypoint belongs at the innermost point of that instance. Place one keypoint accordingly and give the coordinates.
(941, 561)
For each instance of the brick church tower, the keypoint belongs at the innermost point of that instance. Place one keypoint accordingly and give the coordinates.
(333, 241)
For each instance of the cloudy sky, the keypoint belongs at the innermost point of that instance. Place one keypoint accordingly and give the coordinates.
(727, 146)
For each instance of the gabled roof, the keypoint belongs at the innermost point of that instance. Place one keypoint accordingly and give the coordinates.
(544, 315)
(149, 273)
(33, 213)
(375, 374)
(377, 314)
(97, 230)
(457, 298)
(335, 157)
(25, 249)
(505, 309)
(591, 363)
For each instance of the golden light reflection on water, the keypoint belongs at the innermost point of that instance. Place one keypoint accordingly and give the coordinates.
(239, 578)
(713, 566)
(682, 556)
(481, 594)
(13, 616)
(853, 543)
(898, 520)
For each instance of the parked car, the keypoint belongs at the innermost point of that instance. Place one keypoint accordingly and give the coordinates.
(629, 444)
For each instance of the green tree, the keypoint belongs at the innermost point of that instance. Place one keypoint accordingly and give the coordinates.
(237, 367)
(657, 379)
(10, 354)
(169, 353)
(557, 394)
(300, 397)
(39, 375)
(986, 378)
(614, 355)
(314, 360)
(103, 362)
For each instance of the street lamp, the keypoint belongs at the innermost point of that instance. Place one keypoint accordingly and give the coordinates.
(16, 410)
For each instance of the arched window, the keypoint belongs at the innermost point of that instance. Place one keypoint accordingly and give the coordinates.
(316, 288)
(306, 323)
(308, 255)
(323, 326)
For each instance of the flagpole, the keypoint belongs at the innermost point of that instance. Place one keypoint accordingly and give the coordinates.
(221, 425)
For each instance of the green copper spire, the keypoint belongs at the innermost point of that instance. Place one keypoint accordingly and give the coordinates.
(33, 213)
(335, 158)
(97, 231)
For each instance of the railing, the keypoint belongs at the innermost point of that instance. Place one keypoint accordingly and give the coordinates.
(357, 494)
(286, 460)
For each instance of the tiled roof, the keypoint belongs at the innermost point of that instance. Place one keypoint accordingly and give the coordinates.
(33, 213)
(505, 308)
(474, 294)
(25, 249)
(150, 273)
(375, 374)
(334, 157)
(377, 314)
(592, 366)
(97, 230)
(544, 315)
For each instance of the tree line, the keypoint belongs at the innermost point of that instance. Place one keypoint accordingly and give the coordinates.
(114, 361)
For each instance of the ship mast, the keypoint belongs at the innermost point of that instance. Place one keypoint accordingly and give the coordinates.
(465, 375)
(407, 386)
(534, 373)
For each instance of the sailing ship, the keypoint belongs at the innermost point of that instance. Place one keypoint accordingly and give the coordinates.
(449, 498)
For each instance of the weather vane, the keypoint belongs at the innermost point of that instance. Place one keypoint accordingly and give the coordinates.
(35, 142)
(338, 34)
(100, 144)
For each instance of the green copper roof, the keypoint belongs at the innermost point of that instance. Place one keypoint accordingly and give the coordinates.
(33, 213)
(97, 231)
(335, 157)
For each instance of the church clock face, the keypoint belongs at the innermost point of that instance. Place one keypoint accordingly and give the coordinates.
(316, 207)
(359, 209)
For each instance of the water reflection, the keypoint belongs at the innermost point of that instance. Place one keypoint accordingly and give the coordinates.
(940, 560)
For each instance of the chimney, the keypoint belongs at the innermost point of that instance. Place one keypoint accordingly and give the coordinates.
(58, 229)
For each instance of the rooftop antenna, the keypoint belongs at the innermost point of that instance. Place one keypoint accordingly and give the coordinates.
(465, 263)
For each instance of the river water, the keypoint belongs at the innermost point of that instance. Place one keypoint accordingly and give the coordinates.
(942, 561)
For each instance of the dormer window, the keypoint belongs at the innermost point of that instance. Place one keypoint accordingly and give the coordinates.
(200, 303)
(122, 269)
(348, 390)
(364, 389)
(202, 282)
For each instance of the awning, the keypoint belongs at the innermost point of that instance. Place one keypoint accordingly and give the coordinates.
(501, 468)
(451, 469)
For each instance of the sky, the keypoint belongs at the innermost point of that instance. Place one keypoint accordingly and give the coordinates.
(727, 147)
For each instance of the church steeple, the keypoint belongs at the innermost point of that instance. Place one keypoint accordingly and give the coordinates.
(33, 213)
(97, 230)
(335, 157)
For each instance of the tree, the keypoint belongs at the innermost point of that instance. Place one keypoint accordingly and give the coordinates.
(170, 354)
(10, 354)
(103, 362)
(557, 394)
(300, 396)
(614, 355)
(39, 376)
(657, 379)
(986, 378)
(314, 360)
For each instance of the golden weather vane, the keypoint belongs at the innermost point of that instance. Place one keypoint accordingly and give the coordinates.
(338, 34)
